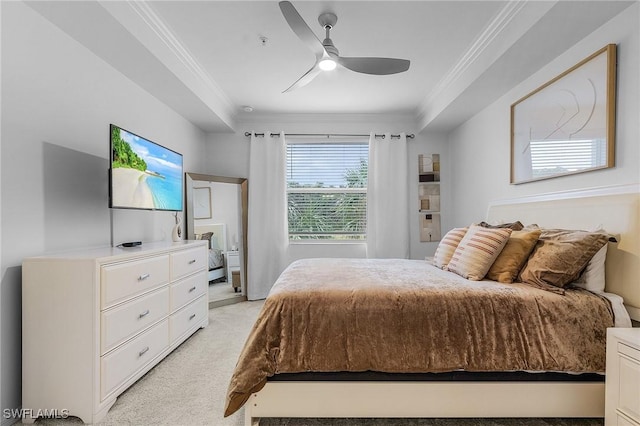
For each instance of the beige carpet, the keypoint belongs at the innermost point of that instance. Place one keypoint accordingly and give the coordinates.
(188, 387)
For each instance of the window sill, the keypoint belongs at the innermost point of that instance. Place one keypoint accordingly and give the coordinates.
(325, 242)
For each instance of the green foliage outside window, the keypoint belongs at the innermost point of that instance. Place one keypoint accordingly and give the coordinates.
(330, 215)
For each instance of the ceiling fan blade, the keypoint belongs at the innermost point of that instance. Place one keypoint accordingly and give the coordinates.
(375, 66)
(301, 28)
(305, 79)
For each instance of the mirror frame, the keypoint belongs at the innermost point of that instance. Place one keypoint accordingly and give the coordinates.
(244, 197)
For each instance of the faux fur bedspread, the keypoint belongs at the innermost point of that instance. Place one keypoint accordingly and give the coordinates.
(399, 316)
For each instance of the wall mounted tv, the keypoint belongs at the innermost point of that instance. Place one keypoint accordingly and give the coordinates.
(143, 174)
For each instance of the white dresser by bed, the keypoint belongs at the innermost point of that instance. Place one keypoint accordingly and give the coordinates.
(95, 321)
(622, 406)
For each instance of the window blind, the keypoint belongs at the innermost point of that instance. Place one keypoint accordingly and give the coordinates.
(327, 190)
(550, 157)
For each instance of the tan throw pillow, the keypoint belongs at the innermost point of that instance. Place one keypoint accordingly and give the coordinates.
(513, 256)
(477, 251)
(447, 246)
(560, 255)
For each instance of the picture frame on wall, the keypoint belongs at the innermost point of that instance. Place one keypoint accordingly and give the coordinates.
(202, 203)
(567, 125)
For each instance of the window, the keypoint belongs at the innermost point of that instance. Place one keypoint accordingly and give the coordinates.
(327, 190)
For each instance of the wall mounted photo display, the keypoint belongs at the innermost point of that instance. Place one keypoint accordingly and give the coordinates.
(202, 203)
(567, 125)
(429, 197)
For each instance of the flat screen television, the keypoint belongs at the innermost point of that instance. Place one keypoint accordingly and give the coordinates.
(143, 175)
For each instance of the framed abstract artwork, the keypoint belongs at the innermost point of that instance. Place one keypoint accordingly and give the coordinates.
(567, 125)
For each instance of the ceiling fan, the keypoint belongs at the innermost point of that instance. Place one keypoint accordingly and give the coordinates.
(327, 56)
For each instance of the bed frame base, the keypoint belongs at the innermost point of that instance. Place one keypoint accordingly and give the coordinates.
(425, 400)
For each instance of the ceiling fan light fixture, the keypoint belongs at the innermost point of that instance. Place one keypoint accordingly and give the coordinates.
(327, 64)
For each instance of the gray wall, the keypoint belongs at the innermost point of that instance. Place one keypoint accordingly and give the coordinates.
(57, 102)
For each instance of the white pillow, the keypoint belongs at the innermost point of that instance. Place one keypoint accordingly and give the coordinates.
(447, 246)
(593, 276)
(477, 251)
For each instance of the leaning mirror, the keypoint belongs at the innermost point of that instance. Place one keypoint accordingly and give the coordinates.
(216, 210)
(566, 126)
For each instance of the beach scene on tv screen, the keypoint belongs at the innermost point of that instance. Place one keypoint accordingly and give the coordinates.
(143, 174)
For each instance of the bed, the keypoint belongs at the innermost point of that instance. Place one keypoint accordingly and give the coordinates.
(217, 236)
(402, 338)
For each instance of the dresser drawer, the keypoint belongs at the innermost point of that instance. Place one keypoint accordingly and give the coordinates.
(233, 258)
(623, 421)
(629, 351)
(125, 280)
(124, 321)
(188, 289)
(188, 261)
(187, 317)
(122, 363)
(629, 402)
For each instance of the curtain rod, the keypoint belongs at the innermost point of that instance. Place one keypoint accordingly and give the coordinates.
(328, 135)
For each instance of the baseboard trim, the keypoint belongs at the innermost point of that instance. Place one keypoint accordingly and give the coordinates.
(225, 302)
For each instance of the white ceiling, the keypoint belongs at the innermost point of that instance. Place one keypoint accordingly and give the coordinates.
(205, 59)
(224, 37)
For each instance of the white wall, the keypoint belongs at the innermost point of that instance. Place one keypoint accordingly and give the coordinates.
(225, 208)
(57, 102)
(480, 147)
(228, 155)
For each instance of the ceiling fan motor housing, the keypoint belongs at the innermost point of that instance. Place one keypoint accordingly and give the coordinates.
(328, 21)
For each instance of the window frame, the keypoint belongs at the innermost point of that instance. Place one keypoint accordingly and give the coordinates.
(300, 140)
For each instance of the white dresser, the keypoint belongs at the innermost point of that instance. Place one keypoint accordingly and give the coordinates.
(622, 405)
(95, 321)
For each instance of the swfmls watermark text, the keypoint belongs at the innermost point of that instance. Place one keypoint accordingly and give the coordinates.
(29, 413)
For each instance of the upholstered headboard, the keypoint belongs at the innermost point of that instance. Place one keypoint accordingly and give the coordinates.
(617, 213)
(219, 238)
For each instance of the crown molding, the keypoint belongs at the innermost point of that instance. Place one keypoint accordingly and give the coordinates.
(499, 23)
(141, 20)
(406, 119)
(144, 9)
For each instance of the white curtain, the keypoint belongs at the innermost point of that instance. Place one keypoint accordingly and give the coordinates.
(267, 234)
(387, 198)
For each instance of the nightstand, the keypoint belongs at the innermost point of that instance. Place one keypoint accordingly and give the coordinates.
(233, 265)
(622, 403)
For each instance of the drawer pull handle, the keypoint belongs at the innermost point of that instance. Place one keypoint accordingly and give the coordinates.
(143, 277)
(192, 317)
(192, 261)
(144, 314)
(192, 289)
(144, 351)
